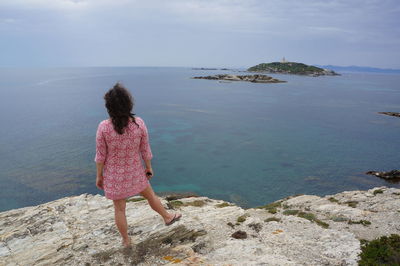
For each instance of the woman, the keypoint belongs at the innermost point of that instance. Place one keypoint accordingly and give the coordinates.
(122, 143)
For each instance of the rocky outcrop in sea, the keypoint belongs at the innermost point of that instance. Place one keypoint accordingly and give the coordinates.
(393, 175)
(249, 78)
(297, 230)
(211, 68)
(390, 113)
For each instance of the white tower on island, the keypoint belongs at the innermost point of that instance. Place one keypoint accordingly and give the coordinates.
(284, 60)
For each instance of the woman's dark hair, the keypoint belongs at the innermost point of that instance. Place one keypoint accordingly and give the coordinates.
(119, 104)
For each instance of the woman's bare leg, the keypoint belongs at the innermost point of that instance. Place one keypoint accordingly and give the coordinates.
(120, 220)
(156, 205)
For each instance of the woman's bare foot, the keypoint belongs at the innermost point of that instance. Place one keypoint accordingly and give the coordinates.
(127, 243)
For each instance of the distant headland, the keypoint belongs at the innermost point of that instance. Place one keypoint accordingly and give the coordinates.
(285, 67)
(210, 68)
(362, 69)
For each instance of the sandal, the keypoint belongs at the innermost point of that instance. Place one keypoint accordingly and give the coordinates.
(176, 218)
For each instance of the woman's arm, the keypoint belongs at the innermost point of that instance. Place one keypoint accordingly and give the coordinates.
(101, 154)
(148, 163)
(145, 150)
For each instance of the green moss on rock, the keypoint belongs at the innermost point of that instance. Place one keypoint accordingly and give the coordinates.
(363, 222)
(223, 204)
(136, 199)
(352, 203)
(177, 203)
(332, 199)
(338, 218)
(307, 215)
(230, 224)
(311, 217)
(321, 223)
(271, 207)
(381, 251)
(270, 219)
(196, 203)
(290, 212)
(241, 219)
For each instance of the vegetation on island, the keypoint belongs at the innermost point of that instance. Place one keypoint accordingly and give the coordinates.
(291, 68)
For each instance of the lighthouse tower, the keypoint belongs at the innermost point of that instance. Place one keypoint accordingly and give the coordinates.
(283, 60)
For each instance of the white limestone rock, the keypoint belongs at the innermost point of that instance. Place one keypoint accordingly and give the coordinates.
(80, 230)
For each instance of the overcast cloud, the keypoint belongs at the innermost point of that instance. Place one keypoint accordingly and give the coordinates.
(205, 33)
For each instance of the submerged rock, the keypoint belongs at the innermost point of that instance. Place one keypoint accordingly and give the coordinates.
(249, 78)
(304, 230)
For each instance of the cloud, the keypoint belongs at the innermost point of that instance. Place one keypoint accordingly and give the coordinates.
(201, 29)
(7, 20)
(44, 4)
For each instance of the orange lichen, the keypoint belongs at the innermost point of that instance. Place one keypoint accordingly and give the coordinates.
(172, 259)
(169, 258)
(277, 231)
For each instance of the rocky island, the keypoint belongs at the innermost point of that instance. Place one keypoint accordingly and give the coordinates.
(296, 230)
(390, 113)
(249, 78)
(292, 68)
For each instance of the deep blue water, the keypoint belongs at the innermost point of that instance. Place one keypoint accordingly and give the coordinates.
(242, 142)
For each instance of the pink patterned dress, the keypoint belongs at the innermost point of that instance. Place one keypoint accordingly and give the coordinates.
(124, 174)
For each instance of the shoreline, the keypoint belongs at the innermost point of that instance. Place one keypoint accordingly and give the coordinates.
(165, 194)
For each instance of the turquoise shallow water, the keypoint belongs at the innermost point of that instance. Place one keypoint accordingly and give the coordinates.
(243, 142)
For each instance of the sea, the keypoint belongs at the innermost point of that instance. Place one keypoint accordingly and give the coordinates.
(247, 143)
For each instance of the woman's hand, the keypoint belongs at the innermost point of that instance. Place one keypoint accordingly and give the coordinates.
(149, 173)
(99, 175)
(99, 182)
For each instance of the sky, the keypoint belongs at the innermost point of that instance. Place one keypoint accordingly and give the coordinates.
(198, 33)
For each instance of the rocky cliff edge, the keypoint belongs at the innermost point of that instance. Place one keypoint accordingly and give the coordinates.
(297, 230)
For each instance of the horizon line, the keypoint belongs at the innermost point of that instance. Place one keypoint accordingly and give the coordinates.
(217, 67)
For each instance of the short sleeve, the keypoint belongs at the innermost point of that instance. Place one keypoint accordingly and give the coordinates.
(145, 149)
(101, 146)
